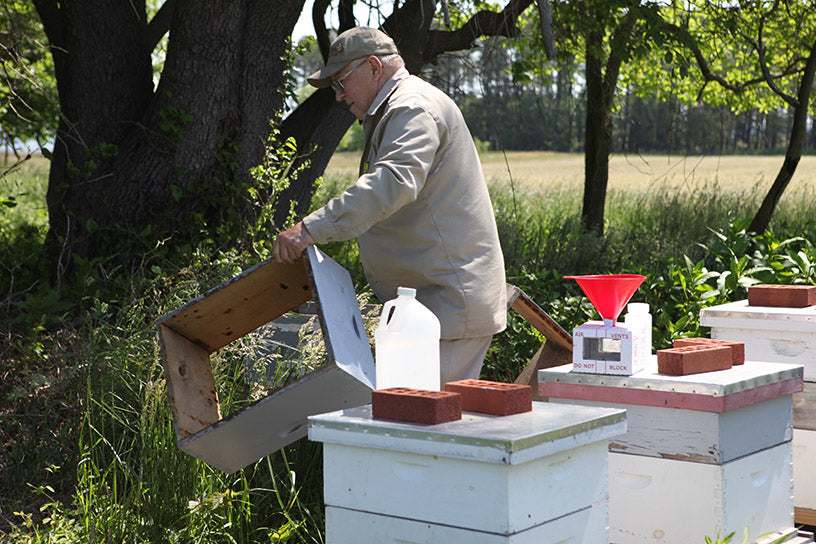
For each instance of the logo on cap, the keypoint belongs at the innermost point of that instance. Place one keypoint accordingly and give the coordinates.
(336, 49)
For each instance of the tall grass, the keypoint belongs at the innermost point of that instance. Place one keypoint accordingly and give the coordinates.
(130, 482)
(90, 450)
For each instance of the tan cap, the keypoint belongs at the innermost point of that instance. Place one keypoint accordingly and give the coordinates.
(352, 44)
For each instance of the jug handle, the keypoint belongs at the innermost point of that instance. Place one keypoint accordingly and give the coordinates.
(387, 318)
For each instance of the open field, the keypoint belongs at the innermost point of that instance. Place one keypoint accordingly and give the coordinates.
(546, 170)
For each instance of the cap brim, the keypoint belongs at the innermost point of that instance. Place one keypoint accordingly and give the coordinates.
(322, 78)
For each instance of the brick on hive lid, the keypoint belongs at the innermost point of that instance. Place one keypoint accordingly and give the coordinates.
(416, 405)
(693, 359)
(737, 348)
(497, 398)
(785, 296)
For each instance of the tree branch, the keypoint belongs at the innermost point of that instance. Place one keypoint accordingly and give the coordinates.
(319, 22)
(160, 24)
(689, 41)
(545, 25)
(621, 37)
(759, 47)
(346, 15)
(49, 13)
(483, 23)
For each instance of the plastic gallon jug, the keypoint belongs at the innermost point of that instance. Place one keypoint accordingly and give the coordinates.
(639, 320)
(406, 344)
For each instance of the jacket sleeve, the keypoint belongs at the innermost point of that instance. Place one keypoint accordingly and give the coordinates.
(402, 158)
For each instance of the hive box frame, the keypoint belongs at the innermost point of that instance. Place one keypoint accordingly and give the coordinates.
(191, 333)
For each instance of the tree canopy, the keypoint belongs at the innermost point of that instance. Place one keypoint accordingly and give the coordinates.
(135, 163)
(147, 152)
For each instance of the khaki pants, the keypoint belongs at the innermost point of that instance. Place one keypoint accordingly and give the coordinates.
(462, 359)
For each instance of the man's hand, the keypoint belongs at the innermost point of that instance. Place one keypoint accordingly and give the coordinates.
(289, 244)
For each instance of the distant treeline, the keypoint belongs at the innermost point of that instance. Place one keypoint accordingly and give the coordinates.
(642, 125)
(509, 107)
(528, 112)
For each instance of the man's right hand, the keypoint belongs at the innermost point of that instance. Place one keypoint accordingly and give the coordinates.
(289, 244)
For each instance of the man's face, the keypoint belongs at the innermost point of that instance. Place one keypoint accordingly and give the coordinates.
(357, 85)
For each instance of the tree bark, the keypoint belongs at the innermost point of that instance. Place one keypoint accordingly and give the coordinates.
(126, 156)
(601, 81)
(598, 140)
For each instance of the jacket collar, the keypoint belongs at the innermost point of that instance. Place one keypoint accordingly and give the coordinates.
(386, 90)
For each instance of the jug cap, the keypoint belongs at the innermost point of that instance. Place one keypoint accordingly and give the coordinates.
(410, 291)
(637, 308)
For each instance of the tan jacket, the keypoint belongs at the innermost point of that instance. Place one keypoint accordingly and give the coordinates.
(421, 213)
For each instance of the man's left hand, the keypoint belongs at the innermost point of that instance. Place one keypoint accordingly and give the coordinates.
(289, 244)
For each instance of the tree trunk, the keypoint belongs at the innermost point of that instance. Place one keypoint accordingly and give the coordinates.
(600, 85)
(127, 157)
(794, 152)
(598, 139)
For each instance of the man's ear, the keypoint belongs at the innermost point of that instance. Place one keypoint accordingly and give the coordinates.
(376, 66)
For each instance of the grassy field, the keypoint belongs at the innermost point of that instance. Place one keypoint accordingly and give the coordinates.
(539, 171)
(547, 170)
(26, 183)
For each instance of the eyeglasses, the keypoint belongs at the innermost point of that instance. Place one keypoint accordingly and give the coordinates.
(337, 84)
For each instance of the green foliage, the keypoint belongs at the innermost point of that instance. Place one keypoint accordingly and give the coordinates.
(84, 388)
(172, 120)
(713, 262)
(124, 478)
(28, 90)
(353, 139)
(281, 163)
(83, 360)
(729, 38)
(93, 156)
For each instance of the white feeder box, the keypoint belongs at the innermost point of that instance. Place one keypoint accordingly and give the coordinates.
(609, 347)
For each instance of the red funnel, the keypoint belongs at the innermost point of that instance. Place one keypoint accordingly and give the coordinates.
(609, 293)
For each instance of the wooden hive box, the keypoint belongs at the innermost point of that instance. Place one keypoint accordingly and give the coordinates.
(191, 333)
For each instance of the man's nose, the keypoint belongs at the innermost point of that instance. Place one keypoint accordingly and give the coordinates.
(338, 95)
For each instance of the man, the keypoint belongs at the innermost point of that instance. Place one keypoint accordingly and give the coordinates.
(420, 209)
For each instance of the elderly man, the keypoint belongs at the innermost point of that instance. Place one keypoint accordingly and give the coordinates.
(420, 209)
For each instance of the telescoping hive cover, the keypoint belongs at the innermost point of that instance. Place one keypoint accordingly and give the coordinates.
(191, 333)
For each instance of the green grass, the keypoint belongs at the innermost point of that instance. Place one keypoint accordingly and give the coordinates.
(89, 446)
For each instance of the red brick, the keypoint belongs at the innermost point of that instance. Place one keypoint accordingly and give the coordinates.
(786, 296)
(497, 398)
(693, 359)
(737, 348)
(417, 405)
